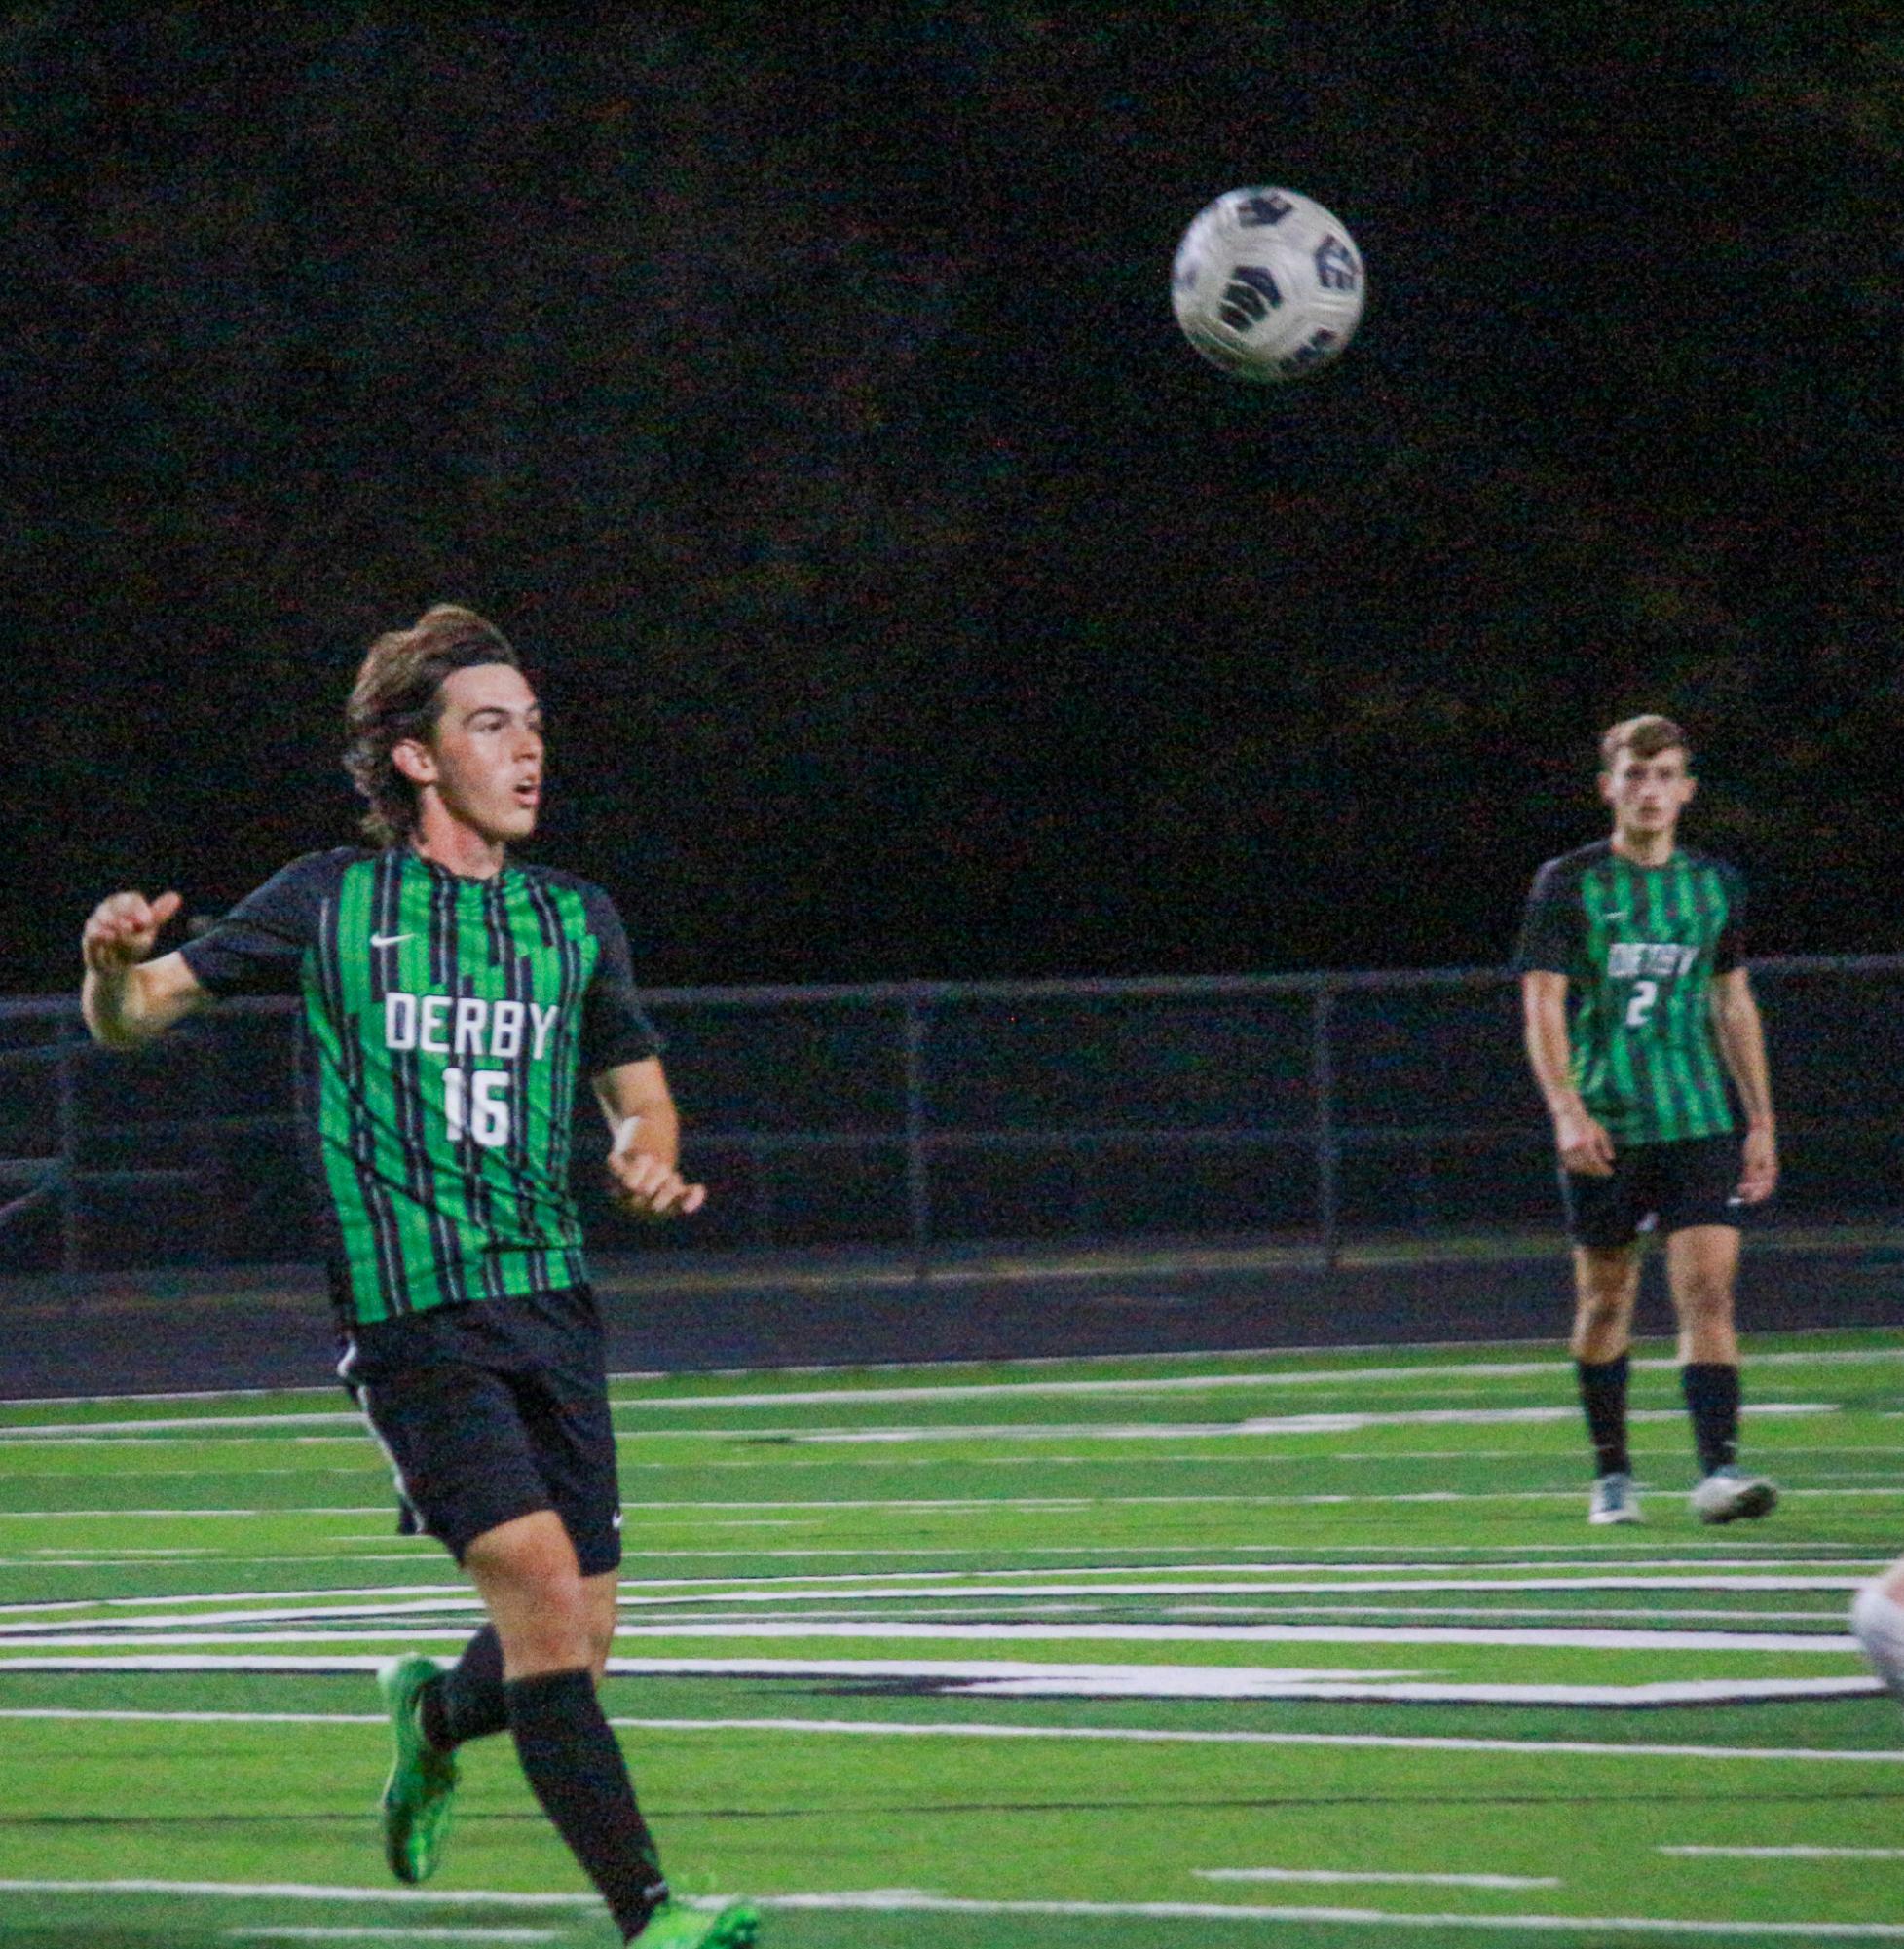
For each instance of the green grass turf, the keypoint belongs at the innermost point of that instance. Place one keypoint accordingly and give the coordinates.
(1174, 1520)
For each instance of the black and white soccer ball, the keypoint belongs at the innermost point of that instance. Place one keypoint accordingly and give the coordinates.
(1267, 285)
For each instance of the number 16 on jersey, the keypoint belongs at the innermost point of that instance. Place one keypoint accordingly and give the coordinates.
(476, 1106)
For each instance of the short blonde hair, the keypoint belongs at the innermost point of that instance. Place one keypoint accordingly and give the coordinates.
(1645, 736)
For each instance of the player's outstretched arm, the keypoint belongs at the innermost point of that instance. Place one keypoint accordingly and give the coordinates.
(1742, 1043)
(128, 999)
(645, 1154)
(1582, 1141)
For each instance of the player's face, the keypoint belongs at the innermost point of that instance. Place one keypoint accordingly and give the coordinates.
(486, 752)
(1646, 794)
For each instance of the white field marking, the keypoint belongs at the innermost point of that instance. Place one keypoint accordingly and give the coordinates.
(314, 1891)
(1816, 1644)
(258, 1607)
(147, 1515)
(1134, 1580)
(1000, 1678)
(904, 1900)
(385, 1590)
(1190, 1682)
(1427, 1368)
(1163, 1580)
(1605, 1613)
(1345, 1423)
(1793, 1854)
(982, 1730)
(289, 1933)
(1343, 1377)
(157, 1425)
(1371, 1875)
(1584, 1639)
(642, 1376)
(128, 1715)
(906, 1505)
(1318, 1423)
(424, 1551)
(468, 1601)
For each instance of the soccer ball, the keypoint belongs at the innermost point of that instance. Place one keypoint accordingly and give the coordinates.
(1267, 285)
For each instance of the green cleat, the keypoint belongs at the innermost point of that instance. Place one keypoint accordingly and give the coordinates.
(422, 1784)
(674, 1927)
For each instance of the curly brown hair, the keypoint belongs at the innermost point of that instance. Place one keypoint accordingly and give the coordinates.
(398, 694)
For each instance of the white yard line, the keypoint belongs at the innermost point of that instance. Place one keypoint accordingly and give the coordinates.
(910, 1506)
(400, 1600)
(1346, 1376)
(1815, 1644)
(979, 1730)
(305, 1892)
(1349, 1421)
(1345, 1421)
(901, 1901)
(1374, 1875)
(1007, 1678)
(367, 1933)
(1793, 1854)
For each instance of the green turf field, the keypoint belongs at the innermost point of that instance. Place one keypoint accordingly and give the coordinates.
(1286, 1649)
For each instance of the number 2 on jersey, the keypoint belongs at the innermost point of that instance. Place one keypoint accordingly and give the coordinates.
(477, 1105)
(1645, 994)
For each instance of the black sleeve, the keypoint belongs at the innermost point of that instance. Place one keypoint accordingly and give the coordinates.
(1551, 929)
(615, 1029)
(1729, 952)
(258, 947)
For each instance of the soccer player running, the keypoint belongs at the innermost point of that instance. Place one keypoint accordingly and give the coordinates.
(452, 996)
(1637, 1006)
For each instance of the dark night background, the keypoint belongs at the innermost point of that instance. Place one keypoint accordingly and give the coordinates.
(800, 390)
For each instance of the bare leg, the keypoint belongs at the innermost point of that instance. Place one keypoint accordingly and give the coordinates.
(555, 1625)
(534, 1592)
(1606, 1283)
(1703, 1272)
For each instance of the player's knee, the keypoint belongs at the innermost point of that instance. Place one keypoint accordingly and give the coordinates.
(1603, 1308)
(1704, 1300)
(551, 1630)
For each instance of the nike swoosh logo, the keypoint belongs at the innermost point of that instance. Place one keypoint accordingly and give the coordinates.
(387, 940)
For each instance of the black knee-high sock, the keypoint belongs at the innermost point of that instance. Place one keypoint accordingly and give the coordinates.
(1603, 1395)
(576, 1769)
(1711, 1390)
(467, 1702)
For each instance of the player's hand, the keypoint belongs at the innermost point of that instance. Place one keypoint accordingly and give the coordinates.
(121, 930)
(1584, 1147)
(645, 1187)
(1760, 1177)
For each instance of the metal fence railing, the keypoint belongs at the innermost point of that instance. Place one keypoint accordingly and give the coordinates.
(927, 1117)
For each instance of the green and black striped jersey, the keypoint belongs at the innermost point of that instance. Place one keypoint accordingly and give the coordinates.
(1639, 947)
(446, 1022)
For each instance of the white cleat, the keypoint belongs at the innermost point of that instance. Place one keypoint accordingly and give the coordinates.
(1878, 1625)
(1615, 1500)
(1729, 1494)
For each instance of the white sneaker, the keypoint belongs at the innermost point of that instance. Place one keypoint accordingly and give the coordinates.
(1615, 1500)
(1729, 1493)
(1878, 1625)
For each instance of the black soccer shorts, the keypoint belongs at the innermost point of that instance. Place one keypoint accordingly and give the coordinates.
(1693, 1182)
(494, 1410)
